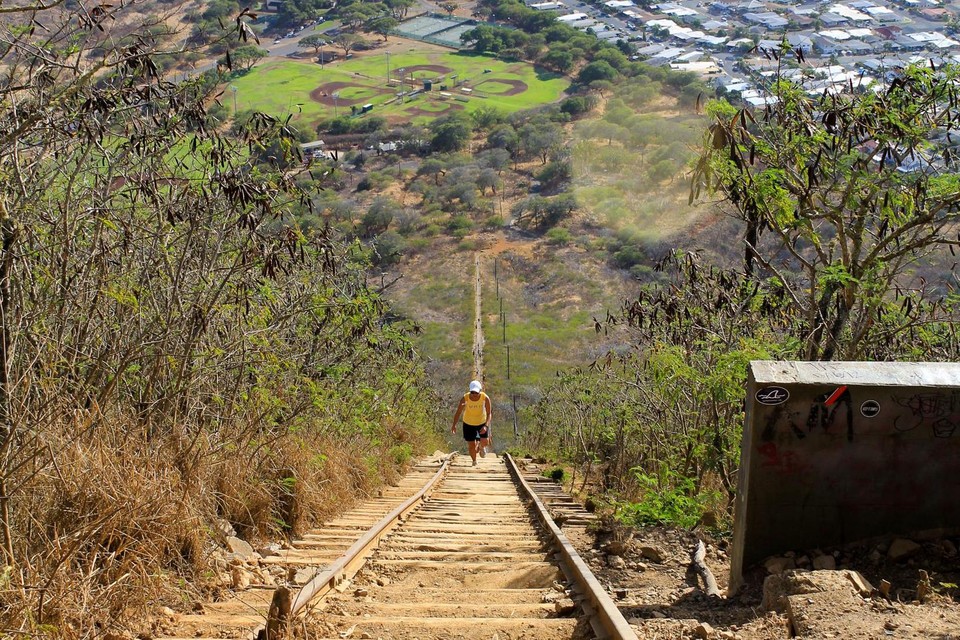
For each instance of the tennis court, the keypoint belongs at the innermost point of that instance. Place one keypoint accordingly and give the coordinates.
(437, 29)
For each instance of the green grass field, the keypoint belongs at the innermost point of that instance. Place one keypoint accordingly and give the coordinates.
(282, 86)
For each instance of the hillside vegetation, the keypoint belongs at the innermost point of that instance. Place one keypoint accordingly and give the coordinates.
(177, 358)
(201, 331)
(832, 239)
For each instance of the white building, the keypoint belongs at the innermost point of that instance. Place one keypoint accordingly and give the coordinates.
(850, 13)
(934, 39)
(767, 19)
(572, 17)
(547, 6)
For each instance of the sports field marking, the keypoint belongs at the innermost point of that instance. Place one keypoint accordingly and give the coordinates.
(313, 93)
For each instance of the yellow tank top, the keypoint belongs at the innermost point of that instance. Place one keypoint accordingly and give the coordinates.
(475, 411)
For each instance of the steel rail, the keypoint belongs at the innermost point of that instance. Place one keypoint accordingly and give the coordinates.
(612, 622)
(347, 565)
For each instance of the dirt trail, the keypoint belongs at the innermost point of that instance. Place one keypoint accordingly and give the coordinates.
(478, 341)
(469, 564)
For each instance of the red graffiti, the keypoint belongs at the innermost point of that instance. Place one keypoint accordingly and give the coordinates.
(786, 463)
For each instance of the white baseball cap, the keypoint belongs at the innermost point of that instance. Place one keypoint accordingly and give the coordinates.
(475, 386)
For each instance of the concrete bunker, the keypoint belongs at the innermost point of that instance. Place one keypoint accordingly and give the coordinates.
(838, 452)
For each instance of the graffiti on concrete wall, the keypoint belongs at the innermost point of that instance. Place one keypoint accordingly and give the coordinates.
(939, 410)
(836, 412)
(828, 411)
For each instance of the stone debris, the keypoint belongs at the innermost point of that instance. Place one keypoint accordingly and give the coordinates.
(777, 587)
(861, 584)
(949, 549)
(239, 578)
(652, 554)
(618, 547)
(825, 562)
(901, 549)
(304, 575)
(242, 549)
(703, 630)
(564, 606)
(779, 564)
(885, 588)
(806, 611)
(224, 529)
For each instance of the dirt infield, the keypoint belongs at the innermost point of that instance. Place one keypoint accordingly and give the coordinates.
(516, 87)
(439, 69)
(450, 107)
(324, 93)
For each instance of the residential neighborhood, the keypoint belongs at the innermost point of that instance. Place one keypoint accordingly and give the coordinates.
(736, 45)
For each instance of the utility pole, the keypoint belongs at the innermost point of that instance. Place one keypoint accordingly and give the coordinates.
(508, 362)
(516, 427)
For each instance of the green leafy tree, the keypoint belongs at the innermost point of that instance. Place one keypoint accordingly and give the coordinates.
(485, 38)
(219, 9)
(378, 216)
(347, 41)
(399, 8)
(506, 137)
(496, 159)
(487, 117)
(246, 57)
(388, 248)
(451, 132)
(604, 130)
(355, 15)
(293, 12)
(382, 25)
(840, 204)
(600, 70)
(578, 105)
(541, 138)
(488, 179)
(663, 421)
(314, 42)
(435, 167)
(558, 60)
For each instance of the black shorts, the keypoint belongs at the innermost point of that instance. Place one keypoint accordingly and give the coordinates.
(471, 433)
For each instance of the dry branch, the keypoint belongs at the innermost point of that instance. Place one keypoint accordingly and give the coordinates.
(697, 562)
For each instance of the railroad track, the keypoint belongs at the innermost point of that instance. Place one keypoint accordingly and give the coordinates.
(455, 551)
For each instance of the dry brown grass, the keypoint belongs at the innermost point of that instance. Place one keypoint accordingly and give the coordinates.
(109, 525)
